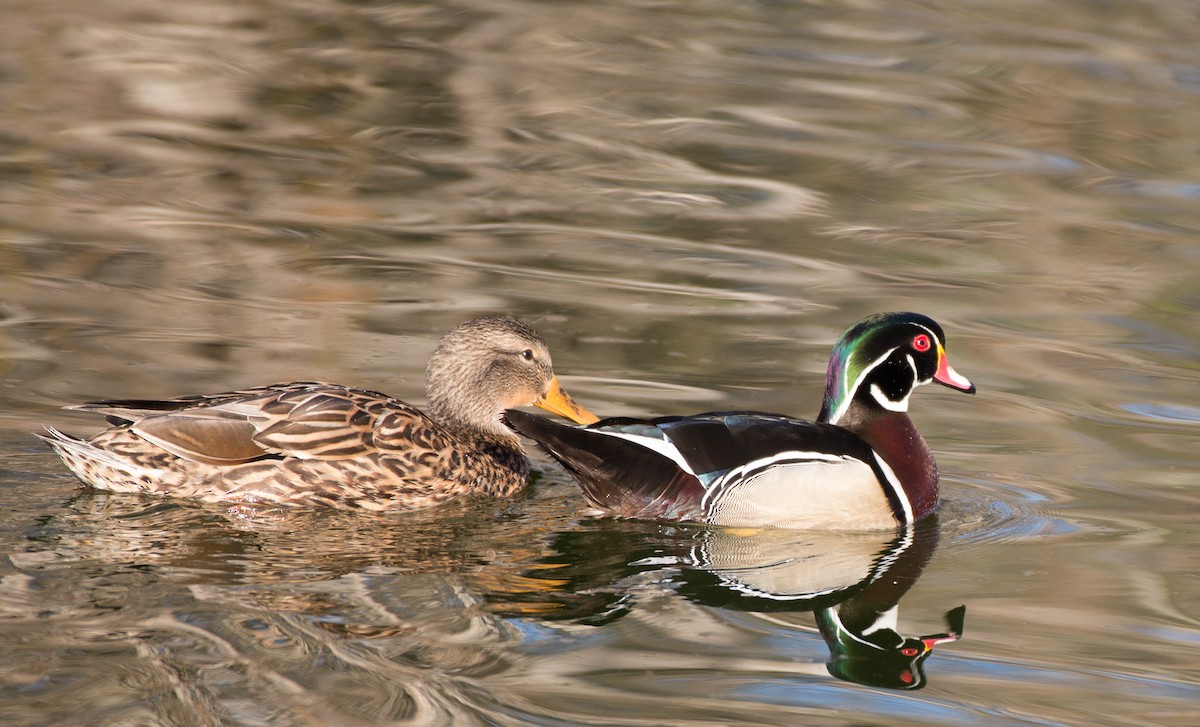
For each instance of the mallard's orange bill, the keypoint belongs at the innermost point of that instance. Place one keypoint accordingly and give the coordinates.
(557, 401)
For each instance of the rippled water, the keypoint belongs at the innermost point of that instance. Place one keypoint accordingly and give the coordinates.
(690, 201)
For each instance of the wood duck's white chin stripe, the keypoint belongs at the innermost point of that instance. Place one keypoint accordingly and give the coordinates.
(902, 404)
(662, 446)
(883, 400)
(894, 482)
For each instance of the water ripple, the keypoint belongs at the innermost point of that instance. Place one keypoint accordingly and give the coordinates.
(977, 510)
(1167, 413)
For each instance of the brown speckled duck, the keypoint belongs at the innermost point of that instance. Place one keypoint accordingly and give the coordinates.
(316, 444)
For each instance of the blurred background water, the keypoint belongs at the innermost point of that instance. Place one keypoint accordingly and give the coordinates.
(690, 201)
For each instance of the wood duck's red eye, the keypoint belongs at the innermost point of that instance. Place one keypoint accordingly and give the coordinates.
(909, 651)
(922, 343)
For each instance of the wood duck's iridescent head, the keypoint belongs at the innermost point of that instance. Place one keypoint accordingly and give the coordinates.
(879, 361)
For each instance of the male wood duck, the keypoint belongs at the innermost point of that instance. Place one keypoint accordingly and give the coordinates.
(861, 466)
(309, 443)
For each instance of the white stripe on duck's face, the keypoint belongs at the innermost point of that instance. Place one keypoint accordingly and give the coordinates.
(849, 390)
(897, 400)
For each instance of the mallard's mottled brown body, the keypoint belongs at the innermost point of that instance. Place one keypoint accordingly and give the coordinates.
(310, 443)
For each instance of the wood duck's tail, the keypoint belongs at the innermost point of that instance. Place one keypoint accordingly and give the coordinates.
(617, 467)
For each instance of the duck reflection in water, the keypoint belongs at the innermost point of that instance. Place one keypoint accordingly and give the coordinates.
(852, 582)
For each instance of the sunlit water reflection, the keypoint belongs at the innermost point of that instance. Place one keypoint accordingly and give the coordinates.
(690, 201)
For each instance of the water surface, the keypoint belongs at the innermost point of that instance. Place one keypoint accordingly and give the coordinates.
(690, 201)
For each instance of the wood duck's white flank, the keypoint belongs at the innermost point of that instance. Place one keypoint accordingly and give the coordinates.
(861, 465)
(309, 443)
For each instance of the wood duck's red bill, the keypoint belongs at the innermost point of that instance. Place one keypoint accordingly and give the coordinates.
(947, 376)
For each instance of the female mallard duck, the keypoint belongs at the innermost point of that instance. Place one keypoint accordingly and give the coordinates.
(308, 443)
(861, 465)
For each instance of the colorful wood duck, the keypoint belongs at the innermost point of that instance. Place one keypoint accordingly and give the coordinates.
(861, 466)
(310, 443)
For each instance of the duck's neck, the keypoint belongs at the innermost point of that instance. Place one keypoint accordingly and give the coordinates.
(503, 453)
(476, 423)
(490, 457)
(894, 436)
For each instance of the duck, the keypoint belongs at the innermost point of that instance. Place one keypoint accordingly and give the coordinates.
(861, 465)
(309, 443)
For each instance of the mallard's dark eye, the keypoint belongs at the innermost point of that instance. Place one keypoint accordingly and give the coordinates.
(527, 354)
(922, 343)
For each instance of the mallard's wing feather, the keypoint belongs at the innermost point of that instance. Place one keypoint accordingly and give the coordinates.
(333, 423)
(207, 439)
(124, 411)
(305, 420)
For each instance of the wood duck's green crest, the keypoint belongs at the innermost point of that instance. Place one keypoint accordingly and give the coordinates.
(878, 362)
